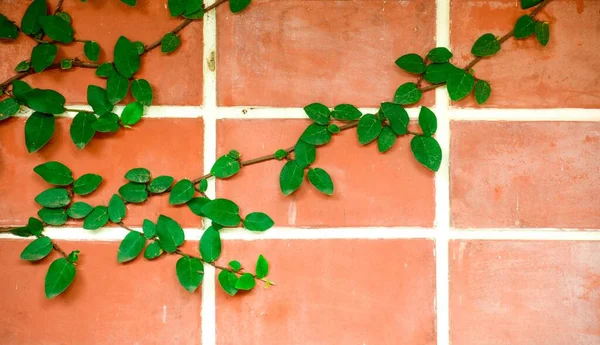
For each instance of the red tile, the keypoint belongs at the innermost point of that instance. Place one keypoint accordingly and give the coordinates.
(564, 74)
(109, 303)
(525, 174)
(155, 144)
(174, 83)
(292, 53)
(389, 189)
(343, 292)
(538, 292)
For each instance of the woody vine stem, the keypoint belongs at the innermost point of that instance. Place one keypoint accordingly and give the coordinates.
(165, 235)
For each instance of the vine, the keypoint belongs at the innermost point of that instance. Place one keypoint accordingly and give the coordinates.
(165, 235)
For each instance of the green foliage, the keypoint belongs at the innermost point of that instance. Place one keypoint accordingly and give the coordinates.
(482, 91)
(333, 128)
(20, 89)
(142, 91)
(131, 246)
(369, 127)
(42, 56)
(30, 24)
(64, 16)
(23, 66)
(235, 265)
(149, 228)
(169, 43)
(439, 55)
(37, 249)
(460, 84)
(160, 184)
(53, 198)
(203, 187)
(107, 123)
(245, 282)
(38, 131)
(190, 272)
(73, 256)
(305, 154)
(116, 209)
(321, 180)
(59, 276)
(126, 57)
(134, 192)
(33, 228)
(386, 139)
(397, 116)
(238, 5)
(318, 112)
(182, 192)
(57, 28)
(280, 154)
(86, 184)
(222, 211)
(427, 151)
(132, 113)
(176, 7)
(105, 69)
(316, 134)
(53, 216)
(79, 210)
(262, 267)
(8, 108)
(92, 50)
(196, 205)
(225, 167)
(129, 2)
(45, 101)
(291, 177)
(486, 45)
(55, 173)
(542, 33)
(407, 93)
(524, 27)
(525, 4)
(96, 219)
(98, 99)
(8, 30)
(116, 88)
(438, 72)
(210, 245)
(170, 234)
(411, 63)
(66, 63)
(138, 175)
(427, 121)
(346, 112)
(227, 280)
(258, 221)
(153, 251)
(194, 9)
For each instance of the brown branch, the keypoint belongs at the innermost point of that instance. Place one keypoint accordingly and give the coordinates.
(58, 7)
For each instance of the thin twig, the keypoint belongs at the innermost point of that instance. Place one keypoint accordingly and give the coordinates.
(58, 7)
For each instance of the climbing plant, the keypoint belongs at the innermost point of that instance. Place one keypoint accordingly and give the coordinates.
(164, 235)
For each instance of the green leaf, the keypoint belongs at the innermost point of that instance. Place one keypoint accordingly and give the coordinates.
(227, 280)
(460, 84)
(333, 128)
(262, 267)
(8, 108)
(169, 43)
(318, 112)
(138, 175)
(105, 70)
(245, 282)
(196, 205)
(45, 101)
(525, 4)
(42, 56)
(222, 211)
(57, 29)
(407, 93)
(55, 173)
(427, 121)
(238, 5)
(280, 154)
(386, 139)
(131, 246)
(96, 219)
(23, 66)
(176, 7)
(149, 228)
(203, 185)
(66, 64)
(482, 91)
(427, 151)
(210, 245)
(397, 116)
(116, 88)
(30, 23)
(170, 234)
(38, 131)
(316, 134)
(369, 127)
(346, 112)
(73, 256)
(234, 154)
(305, 154)
(542, 33)
(194, 9)
(53, 216)
(321, 180)
(92, 50)
(142, 91)
(486, 45)
(134, 192)
(129, 2)
(60, 275)
(411, 63)
(153, 251)
(225, 167)
(8, 30)
(34, 228)
(86, 184)
(139, 46)
(132, 113)
(438, 73)
(79, 210)
(20, 89)
(64, 16)
(116, 209)
(235, 265)
(160, 184)
(98, 99)
(439, 55)
(82, 130)
(524, 27)
(258, 221)
(291, 177)
(37, 250)
(53, 198)
(107, 123)
(182, 192)
(127, 59)
(189, 272)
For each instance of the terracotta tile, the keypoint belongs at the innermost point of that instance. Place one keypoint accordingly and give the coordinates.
(538, 292)
(564, 74)
(174, 83)
(292, 53)
(525, 174)
(343, 292)
(389, 189)
(155, 144)
(108, 303)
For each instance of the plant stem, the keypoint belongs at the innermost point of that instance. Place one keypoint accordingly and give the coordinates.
(58, 7)
(69, 110)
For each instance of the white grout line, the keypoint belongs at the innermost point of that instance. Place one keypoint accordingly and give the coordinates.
(525, 114)
(208, 312)
(155, 111)
(284, 113)
(442, 187)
